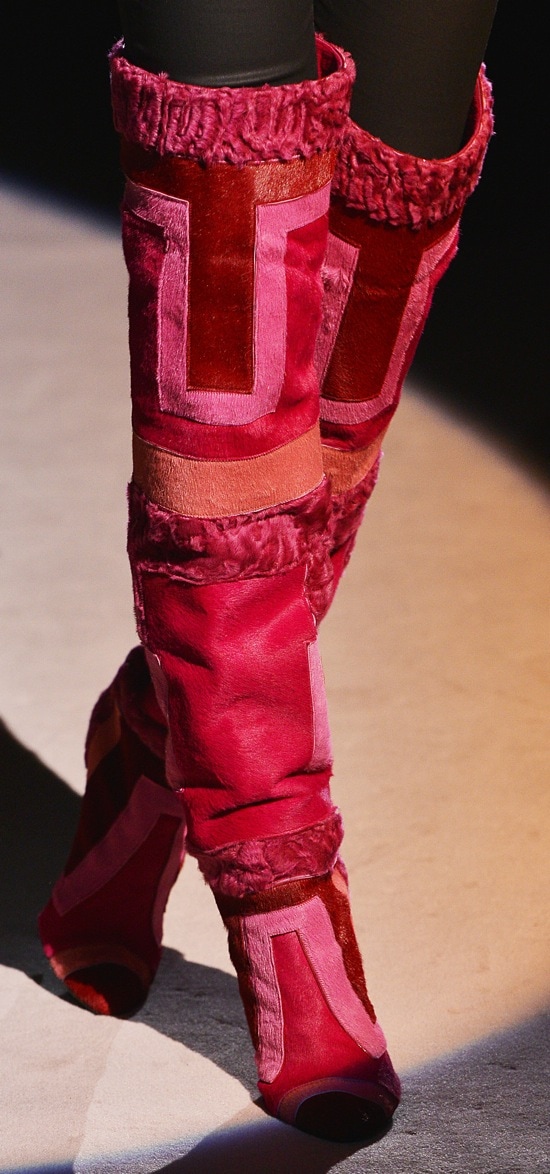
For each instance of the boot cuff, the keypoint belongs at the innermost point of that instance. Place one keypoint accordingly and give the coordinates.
(406, 190)
(252, 866)
(225, 125)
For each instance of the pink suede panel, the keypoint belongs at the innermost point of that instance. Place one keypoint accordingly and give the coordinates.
(203, 550)
(159, 303)
(433, 261)
(311, 922)
(322, 747)
(167, 881)
(234, 657)
(129, 831)
(233, 125)
(253, 866)
(319, 1054)
(337, 278)
(402, 189)
(164, 221)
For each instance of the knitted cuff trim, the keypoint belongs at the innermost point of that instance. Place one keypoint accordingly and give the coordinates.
(406, 190)
(252, 866)
(225, 125)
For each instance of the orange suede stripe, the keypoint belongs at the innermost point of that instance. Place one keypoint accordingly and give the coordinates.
(347, 469)
(104, 739)
(214, 489)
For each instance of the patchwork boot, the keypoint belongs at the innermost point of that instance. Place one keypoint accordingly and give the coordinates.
(102, 927)
(225, 226)
(225, 235)
(394, 223)
(321, 1055)
(225, 229)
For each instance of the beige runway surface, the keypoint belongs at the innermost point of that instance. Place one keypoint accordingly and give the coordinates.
(436, 660)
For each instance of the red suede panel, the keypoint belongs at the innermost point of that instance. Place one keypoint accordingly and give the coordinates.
(221, 264)
(315, 1045)
(220, 321)
(221, 281)
(234, 656)
(386, 268)
(221, 276)
(267, 182)
(282, 896)
(304, 256)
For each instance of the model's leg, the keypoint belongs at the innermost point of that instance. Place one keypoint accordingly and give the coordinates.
(225, 231)
(221, 42)
(417, 62)
(102, 928)
(421, 121)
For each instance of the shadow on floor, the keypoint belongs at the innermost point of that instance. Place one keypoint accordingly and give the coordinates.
(195, 1005)
(483, 1109)
(38, 814)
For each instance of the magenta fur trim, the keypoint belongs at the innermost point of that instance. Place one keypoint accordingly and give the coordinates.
(252, 866)
(241, 125)
(214, 550)
(402, 189)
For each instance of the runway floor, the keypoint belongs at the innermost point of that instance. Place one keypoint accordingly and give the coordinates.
(436, 660)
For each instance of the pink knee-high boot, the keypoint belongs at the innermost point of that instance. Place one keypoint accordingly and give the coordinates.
(394, 223)
(225, 230)
(245, 341)
(102, 927)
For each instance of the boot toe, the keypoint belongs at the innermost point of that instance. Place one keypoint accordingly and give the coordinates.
(108, 988)
(342, 1116)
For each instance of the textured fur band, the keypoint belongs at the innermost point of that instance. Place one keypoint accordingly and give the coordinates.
(253, 866)
(348, 509)
(241, 125)
(403, 189)
(246, 546)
